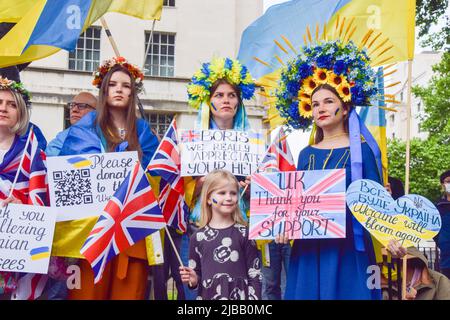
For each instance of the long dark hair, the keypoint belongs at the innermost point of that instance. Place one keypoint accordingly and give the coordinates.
(104, 119)
(346, 105)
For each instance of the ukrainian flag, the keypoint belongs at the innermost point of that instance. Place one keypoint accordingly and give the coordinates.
(395, 19)
(255, 137)
(79, 162)
(46, 26)
(39, 253)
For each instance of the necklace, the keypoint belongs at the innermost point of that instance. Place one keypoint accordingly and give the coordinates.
(122, 133)
(335, 136)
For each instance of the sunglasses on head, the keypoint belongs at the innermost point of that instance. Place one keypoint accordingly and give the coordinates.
(80, 106)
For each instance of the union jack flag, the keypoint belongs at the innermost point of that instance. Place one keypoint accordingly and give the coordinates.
(30, 188)
(278, 157)
(314, 199)
(130, 215)
(166, 164)
(190, 136)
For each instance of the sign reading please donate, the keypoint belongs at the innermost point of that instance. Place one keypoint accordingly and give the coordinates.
(26, 236)
(203, 151)
(299, 204)
(81, 185)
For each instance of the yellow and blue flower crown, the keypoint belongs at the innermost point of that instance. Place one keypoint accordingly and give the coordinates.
(18, 87)
(339, 63)
(219, 68)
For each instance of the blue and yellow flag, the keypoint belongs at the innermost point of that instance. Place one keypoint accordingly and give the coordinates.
(46, 26)
(394, 19)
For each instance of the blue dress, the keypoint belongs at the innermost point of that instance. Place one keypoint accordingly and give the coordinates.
(332, 269)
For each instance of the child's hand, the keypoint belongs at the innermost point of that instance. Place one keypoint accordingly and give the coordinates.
(189, 276)
(246, 185)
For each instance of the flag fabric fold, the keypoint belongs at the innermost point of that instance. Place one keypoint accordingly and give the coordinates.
(166, 164)
(130, 215)
(278, 156)
(46, 26)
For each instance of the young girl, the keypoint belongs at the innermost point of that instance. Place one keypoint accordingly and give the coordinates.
(223, 263)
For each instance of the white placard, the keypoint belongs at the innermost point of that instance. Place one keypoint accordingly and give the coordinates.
(26, 237)
(81, 185)
(203, 151)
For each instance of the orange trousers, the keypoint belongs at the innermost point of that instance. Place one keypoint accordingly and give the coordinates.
(125, 278)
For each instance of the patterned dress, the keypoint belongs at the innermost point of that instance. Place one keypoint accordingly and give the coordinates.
(227, 264)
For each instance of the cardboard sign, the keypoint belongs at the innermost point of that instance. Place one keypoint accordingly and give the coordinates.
(300, 204)
(81, 185)
(203, 151)
(26, 236)
(409, 219)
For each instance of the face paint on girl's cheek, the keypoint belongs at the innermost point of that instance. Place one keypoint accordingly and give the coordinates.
(214, 201)
(213, 106)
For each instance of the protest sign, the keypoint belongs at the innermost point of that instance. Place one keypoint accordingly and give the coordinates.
(26, 236)
(203, 151)
(300, 204)
(80, 186)
(409, 219)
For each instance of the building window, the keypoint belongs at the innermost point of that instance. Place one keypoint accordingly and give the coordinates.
(160, 122)
(419, 107)
(66, 117)
(86, 56)
(161, 55)
(169, 3)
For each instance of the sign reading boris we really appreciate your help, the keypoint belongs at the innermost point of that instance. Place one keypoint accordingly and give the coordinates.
(409, 219)
(81, 185)
(298, 204)
(26, 236)
(203, 151)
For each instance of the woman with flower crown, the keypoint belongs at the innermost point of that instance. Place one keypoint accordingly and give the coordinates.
(217, 91)
(114, 127)
(14, 122)
(323, 85)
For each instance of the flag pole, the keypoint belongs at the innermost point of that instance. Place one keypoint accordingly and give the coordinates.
(279, 140)
(150, 39)
(21, 162)
(117, 53)
(408, 127)
(175, 249)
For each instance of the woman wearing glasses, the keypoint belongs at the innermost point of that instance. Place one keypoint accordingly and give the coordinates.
(82, 103)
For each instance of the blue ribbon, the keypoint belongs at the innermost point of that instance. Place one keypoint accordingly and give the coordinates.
(356, 128)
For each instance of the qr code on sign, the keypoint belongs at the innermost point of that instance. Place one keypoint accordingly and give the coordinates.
(72, 187)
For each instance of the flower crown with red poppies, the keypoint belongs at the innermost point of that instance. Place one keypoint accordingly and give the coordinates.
(135, 72)
(18, 87)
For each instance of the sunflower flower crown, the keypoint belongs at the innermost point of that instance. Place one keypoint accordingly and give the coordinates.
(219, 68)
(18, 87)
(102, 70)
(343, 66)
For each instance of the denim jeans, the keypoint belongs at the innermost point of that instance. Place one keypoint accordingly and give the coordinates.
(274, 278)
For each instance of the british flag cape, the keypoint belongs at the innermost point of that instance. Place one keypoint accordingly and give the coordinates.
(130, 215)
(166, 164)
(30, 188)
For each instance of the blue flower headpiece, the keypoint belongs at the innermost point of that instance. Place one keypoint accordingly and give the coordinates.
(18, 87)
(219, 68)
(341, 65)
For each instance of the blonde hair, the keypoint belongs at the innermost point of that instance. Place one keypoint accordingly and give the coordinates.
(23, 114)
(212, 182)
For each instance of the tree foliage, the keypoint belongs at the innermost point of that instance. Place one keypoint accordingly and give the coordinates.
(429, 13)
(429, 157)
